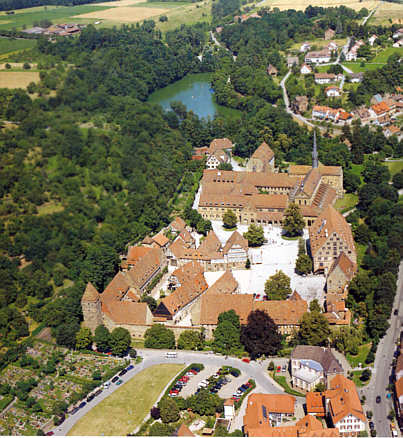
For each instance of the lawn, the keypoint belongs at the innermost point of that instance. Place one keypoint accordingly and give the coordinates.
(394, 166)
(282, 381)
(357, 381)
(356, 66)
(349, 201)
(363, 351)
(125, 409)
(361, 249)
(357, 169)
(384, 55)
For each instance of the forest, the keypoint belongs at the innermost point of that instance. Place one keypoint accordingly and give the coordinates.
(73, 194)
(8, 5)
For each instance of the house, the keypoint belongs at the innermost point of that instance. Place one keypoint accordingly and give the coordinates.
(183, 430)
(398, 34)
(161, 241)
(392, 130)
(262, 160)
(329, 34)
(329, 236)
(217, 158)
(324, 78)
(372, 39)
(340, 274)
(311, 365)
(398, 43)
(315, 404)
(356, 77)
(219, 144)
(318, 57)
(363, 114)
(271, 70)
(332, 46)
(229, 409)
(304, 47)
(336, 311)
(292, 60)
(300, 104)
(226, 284)
(177, 225)
(305, 69)
(180, 275)
(379, 109)
(236, 250)
(344, 407)
(333, 91)
(268, 410)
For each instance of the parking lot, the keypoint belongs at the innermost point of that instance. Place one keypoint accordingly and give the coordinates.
(227, 389)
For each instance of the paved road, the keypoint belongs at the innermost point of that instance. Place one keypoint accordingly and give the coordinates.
(257, 371)
(382, 367)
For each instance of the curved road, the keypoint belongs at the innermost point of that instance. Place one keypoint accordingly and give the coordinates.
(254, 370)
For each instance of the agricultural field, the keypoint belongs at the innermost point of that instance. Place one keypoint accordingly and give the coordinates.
(21, 79)
(385, 54)
(8, 45)
(388, 13)
(121, 413)
(300, 5)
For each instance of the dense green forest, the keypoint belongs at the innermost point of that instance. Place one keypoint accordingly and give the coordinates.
(8, 5)
(90, 165)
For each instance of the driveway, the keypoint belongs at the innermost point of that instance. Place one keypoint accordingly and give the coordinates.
(253, 370)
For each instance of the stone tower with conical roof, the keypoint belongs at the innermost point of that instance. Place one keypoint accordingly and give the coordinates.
(91, 307)
(315, 161)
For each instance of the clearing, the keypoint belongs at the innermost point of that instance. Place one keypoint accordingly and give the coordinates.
(124, 14)
(394, 166)
(125, 409)
(349, 201)
(14, 79)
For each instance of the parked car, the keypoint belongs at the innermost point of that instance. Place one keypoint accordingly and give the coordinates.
(96, 394)
(107, 384)
(278, 369)
(119, 382)
(123, 372)
(81, 405)
(50, 433)
(115, 379)
(371, 425)
(130, 367)
(246, 359)
(395, 312)
(90, 398)
(378, 399)
(73, 411)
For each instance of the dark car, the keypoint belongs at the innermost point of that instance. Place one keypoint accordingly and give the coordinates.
(90, 398)
(130, 367)
(123, 372)
(50, 433)
(371, 425)
(96, 394)
(395, 312)
(378, 399)
(81, 405)
(115, 379)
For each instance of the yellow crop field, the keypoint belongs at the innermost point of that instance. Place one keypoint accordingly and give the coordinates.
(124, 14)
(300, 5)
(388, 11)
(13, 79)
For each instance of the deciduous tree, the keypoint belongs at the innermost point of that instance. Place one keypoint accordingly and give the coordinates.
(190, 340)
(120, 341)
(169, 411)
(229, 219)
(254, 235)
(293, 222)
(277, 287)
(102, 338)
(314, 329)
(159, 336)
(84, 339)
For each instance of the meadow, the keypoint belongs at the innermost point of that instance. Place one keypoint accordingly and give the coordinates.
(13, 45)
(388, 13)
(301, 5)
(12, 79)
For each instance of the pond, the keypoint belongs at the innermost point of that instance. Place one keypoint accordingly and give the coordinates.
(195, 92)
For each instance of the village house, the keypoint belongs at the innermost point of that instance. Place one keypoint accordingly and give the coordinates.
(217, 158)
(329, 34)
(333, 91)
(340, 274)
(311, 365)
(305, 47)
(262, 160)
(336, 311)
(305, 69)
(325, 78)
(300, 104)
(393, 130)
(271, 70)
(332, 46)
(363, 114)
(356, 77)
(380, 109)
(292, 60)
(398, 34)
(371, 40)
(318, 57)
(257, 422)
(329, 236)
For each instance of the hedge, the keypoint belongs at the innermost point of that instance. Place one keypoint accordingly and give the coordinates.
(251, 388)
(226, 369)
(195, 366)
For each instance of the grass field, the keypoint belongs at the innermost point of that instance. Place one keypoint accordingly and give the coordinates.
(384, 55)
(11, 45)
(349, 201)
(363, 351)
(394, 166)
(11, 79)
(125, 409)
(356, 66)
(388, 13)
(300, 5)
(357, 381)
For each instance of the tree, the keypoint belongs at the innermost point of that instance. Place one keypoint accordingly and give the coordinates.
(84, 339)
(254, 235)
(314, 329)
(159, 336)
(314, 306)
(102, 338)
(161, 429)
(155, 413)
(169, 411)
(152, 303)
(351, 181)
(229, 219)
(277, 287)
(303, 265)
(96, 375)
(224, 166)
(346, 339)
(365, 375)
(247, 264)
(293, 222)
(132, 353)
(320, 387)
(190, 340)
(260, 336)
(59, 407)
(204, 403)
(120, 341)
(26, 66)
(398, 180)
(227, 335)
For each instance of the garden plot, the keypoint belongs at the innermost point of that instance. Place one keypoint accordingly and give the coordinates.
(277, 254)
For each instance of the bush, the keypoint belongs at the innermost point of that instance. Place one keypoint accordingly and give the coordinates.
(271, 366)
(158, 336)
(155, 413)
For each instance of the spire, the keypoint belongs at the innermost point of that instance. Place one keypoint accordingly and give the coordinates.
(314, 152)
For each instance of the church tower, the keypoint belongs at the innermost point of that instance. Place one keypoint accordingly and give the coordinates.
(315, 161)
(91, 307)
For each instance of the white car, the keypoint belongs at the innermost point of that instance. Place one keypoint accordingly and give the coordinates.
(107, 384)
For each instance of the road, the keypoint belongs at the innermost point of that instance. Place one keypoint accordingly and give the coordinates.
(364, 21)
(254, 370)
(382, 367)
